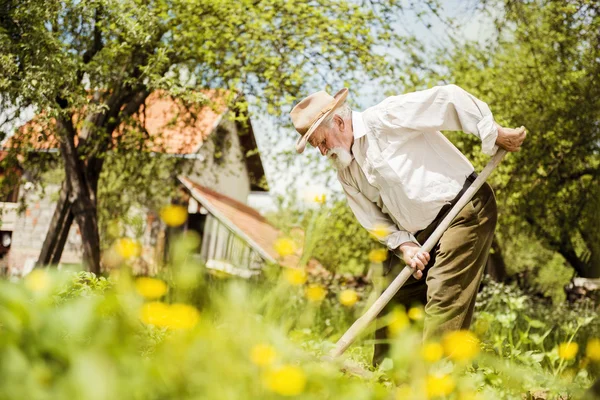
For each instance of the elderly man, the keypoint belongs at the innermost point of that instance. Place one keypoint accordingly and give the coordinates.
(401, 175)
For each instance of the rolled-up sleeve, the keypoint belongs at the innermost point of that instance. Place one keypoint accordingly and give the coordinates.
(446, 107)
(370, 216)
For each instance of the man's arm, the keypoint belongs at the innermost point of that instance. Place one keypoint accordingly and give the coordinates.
(445, 108)
(401, 242)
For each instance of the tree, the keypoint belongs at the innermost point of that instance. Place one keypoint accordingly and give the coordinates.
(88, 66)
(541, 71)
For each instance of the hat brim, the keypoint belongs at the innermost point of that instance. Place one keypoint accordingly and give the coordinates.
(338, 100)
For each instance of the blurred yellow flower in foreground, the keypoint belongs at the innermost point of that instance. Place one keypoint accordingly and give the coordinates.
(285, 246)
(380, 231)
(568, 351)
(155, 313)
(416, 313)
(460, 345)
(378, 255)
(287, 380)
(348, 297)
(175, 316)
(150, 288)
(439, 385)
(295, 276)
(262, 355)
(315, 293)
(399, 321)
(592, 349)
(182, 316)
(432, 351)
(37, 280)
(173, 215)
(127, 247)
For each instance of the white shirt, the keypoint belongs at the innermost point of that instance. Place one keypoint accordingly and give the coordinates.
(404, 169)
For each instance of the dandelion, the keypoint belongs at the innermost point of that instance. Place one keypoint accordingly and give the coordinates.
(378, 255)
(155, 313)
(150, 288)
(399, 321)
(182, 316)
(37, 281)
(173, 215)
(128, 248)
(295, 276)
(320, 198)
(460, 345)
(285, 247)
(592, 349)
(262, 355)
(439, 385)
(380, 231)
(432, 352)
(287, 380)
(315, 293)
(568, 350)
(348, 297)
(416, 313)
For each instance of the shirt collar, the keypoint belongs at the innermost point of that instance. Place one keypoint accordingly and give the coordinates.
(358, 125)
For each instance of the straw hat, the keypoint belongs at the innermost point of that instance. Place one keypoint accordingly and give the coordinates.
(310, 112)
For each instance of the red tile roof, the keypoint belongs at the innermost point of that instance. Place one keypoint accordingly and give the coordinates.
(175, 128)
(244, 218)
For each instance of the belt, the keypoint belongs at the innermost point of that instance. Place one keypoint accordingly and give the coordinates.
(447, 207)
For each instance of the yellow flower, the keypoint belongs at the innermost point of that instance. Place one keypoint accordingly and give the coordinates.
(284, 247)
(262, 355)
(173, 215)
(592, 349)
(380, 231)
(37, 280)
(175, 316)
(439, 385)
(416, 313)
(182, 316)
(287, 380)
(128, 248)
(150, 288)
(432, 352)
(460, 345)
(568, 351)
(320, 198)
(155, 313)
(399, 321)
(403, 392)
(295, 276)
(348, 297)
(315, 293)
(378, 255)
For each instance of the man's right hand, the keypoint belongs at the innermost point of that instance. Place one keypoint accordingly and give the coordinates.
(510, 139)
(409, 251)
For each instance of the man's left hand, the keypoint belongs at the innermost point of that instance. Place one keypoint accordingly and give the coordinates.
(510, 139)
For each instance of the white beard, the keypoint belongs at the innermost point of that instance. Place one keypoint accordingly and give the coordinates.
(343, 159)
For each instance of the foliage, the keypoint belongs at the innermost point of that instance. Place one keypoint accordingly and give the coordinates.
(88, 67)
(539, 71)
(211, 337)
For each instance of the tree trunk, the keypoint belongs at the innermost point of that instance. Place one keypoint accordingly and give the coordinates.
(495, 267)
(61, 222)
(86, 216)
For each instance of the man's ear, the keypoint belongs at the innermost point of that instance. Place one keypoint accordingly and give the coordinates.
(339, 122)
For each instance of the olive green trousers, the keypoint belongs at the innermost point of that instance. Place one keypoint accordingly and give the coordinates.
(451, 278)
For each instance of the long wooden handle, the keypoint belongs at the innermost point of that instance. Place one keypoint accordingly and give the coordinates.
(360, 324)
